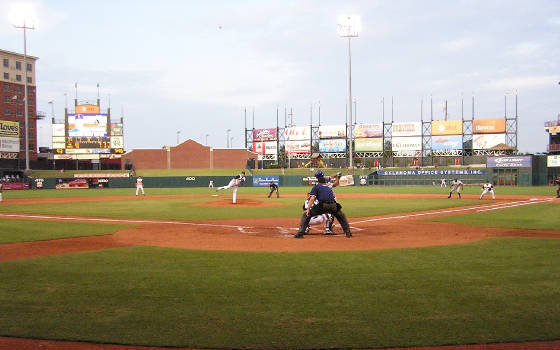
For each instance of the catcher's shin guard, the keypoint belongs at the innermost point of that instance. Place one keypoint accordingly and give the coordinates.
(303, 224)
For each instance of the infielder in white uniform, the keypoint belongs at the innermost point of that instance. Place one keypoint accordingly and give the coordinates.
(139, 185)
(238, 180)
(1, 199)
(456, 185)
(488, 187)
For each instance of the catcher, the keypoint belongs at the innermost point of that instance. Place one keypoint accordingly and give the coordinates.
(323, 193)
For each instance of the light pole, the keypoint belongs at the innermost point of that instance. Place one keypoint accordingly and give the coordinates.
(52, 108)
(207, 139)
(227, 137)
(178, 132)
(349, 26)
(20, 18)
(231, 142)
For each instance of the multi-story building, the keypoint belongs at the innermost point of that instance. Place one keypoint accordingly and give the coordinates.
(12, 96)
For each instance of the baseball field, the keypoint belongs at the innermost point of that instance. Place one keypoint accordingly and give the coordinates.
(185, 268)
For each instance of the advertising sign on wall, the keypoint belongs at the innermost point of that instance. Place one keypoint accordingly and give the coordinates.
(265, 134)
(9, 136)
(489, 126)
(297, 133)
(87, 125)
(406, 144)
(368, 130)
(553, 161)
(509, 162)
(430, 172)
(265, 147)
(447, 127)
(332, 146)
(407, 129)
(116, 129)
(488, 141)
(552, 129)
(88, 109)
(297, 147)
(332, 131)
(264, 181)
(444, 143)
(369, 145)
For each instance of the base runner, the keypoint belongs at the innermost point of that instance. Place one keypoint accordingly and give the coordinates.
(456, 185)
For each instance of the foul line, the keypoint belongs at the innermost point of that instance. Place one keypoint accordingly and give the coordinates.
(477, 208)
(128, 221)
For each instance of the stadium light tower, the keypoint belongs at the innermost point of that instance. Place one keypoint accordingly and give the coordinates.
(22, 16)
(227, 137)
(349, 26)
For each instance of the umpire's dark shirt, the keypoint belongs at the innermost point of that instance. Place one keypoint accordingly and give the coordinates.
(323, 193)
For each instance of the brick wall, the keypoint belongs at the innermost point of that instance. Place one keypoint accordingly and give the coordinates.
(188, 155)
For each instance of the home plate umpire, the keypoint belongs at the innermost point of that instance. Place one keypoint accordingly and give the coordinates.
(327, 205)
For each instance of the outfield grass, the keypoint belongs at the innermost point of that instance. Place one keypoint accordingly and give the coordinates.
(536, 217)
(12, 231)
(492, 291)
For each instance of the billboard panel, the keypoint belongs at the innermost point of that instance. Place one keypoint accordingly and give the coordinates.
(116, 129)
(369, 145)
(407, 129)
(88, 109)
(444, 143)
(553, 161)
(265, 147)
(509, 162)
(297, 133)
(552, 129)
(9, 136)
(447, 127)
(488, 141)
(368, 130)
(332, 146)
(489, 126)
(117, 142)
(406, 144)
(87, 125)
(332, 131)
(265, 134)
(298, 147)
(58, 130)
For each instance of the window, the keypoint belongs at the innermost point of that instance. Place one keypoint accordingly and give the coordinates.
(19, 89)
(6, 75)
(18, 77)
(7, 111)
(29, 80)
(6, 63)
(18, 65)
(6, 87)
(29, 67)
(19, 112)
(29, 102)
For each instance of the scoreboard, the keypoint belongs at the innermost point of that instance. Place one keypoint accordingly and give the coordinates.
(87, 136)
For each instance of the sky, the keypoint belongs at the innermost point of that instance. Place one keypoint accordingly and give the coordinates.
(178, 70)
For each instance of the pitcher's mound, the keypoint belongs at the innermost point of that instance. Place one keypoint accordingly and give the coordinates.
(240, 203)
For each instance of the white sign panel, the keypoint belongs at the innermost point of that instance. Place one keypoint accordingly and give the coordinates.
(368, 130)
(9, 144)
(297, 133)
(265, 147)
(58, 130)
(407, 129)
(117, 141)
(487, 141)
(553, 161)
(400, 144)
(298, 146)
(332, 131)
(332, 146)
(87, 125)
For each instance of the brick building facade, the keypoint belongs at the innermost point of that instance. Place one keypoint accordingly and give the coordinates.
(187, 155)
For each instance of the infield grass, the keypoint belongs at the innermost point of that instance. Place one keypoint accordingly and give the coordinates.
(12, 231)
(545, 216)
(496, 290)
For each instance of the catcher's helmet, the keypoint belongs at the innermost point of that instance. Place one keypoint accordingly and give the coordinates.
(319, 173)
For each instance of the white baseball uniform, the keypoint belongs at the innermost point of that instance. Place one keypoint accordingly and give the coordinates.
(456, 185)
(139, 185)
(488, 187)
(325, 219)
(1, 199)
(233, 184)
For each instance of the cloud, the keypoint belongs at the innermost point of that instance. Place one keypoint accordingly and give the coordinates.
(47, 17)
(526, 49)
(459, 45)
